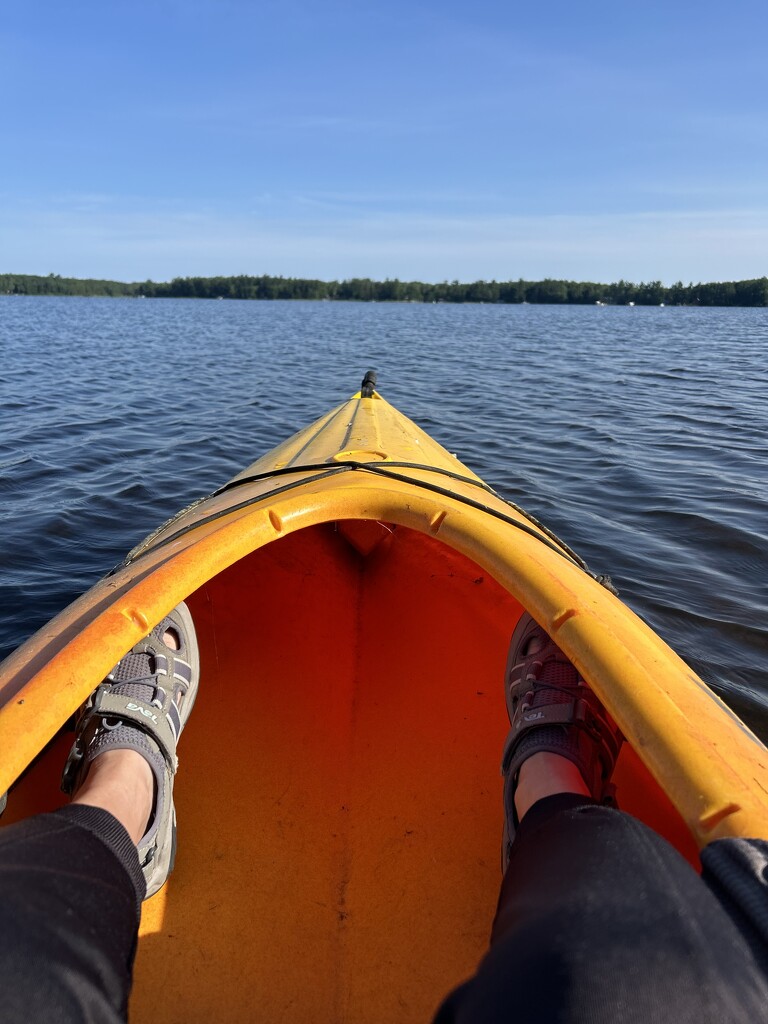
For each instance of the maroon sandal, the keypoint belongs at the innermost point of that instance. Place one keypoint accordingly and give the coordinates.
(552, 710)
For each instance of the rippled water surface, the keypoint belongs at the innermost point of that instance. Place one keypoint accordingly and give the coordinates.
(637, 434)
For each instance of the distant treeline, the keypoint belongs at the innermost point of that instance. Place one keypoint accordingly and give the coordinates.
(621, 293)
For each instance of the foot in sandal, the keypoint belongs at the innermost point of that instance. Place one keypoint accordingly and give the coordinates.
(142, 706)
(552, 710)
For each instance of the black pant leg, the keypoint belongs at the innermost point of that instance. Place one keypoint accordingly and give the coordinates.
(736, 870)
(600, 920)
(70, 897)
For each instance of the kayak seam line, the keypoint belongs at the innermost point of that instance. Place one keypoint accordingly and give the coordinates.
(321, 426)
(351, 426)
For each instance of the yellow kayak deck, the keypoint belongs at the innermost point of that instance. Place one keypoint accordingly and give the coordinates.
(339, 796)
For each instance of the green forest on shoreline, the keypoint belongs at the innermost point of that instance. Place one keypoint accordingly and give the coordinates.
(265, 287)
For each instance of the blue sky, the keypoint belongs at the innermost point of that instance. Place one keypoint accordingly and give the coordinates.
(414, 140)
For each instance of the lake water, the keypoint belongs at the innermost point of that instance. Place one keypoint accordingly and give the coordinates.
(637, 434)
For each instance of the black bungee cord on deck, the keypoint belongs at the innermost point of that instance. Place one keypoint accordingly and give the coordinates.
(323, 470)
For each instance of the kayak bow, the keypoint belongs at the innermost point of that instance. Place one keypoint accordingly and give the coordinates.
(354, 592)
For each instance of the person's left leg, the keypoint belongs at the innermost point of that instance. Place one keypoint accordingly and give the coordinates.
(71, 888)
(72, 882)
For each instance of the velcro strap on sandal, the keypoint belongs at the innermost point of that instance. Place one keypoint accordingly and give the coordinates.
(577, 712)
(555, 714)
(149, 717)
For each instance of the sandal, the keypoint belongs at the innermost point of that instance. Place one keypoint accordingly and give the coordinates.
(551, 709)
(143, 705)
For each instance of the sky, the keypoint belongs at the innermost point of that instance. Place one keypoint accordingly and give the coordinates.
(418, 140)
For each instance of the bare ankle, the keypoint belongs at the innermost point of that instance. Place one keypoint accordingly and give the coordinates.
(546, 774)
(121, 782)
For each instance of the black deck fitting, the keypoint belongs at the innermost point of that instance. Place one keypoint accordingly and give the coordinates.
(369, 384)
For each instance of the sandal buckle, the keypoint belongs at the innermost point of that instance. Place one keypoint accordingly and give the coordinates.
(71, 768)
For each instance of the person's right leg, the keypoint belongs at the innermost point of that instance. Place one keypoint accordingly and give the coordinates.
(599, 919)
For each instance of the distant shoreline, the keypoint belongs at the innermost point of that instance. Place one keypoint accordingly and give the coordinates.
(547, 292)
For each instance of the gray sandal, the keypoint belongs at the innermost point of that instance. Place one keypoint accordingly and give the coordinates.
(551, 709)
(143, 705)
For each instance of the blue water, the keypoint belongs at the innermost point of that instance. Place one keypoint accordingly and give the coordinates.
(637, 434)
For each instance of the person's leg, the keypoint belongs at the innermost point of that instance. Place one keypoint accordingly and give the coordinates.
(736, 871)
(72, 882)
(71, 888)
(599, 919)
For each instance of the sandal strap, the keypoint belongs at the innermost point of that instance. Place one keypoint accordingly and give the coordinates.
(169, 667)
(589, 739)
(578, 712)
(161, 726)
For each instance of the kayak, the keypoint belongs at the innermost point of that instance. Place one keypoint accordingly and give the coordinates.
(339, 794)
